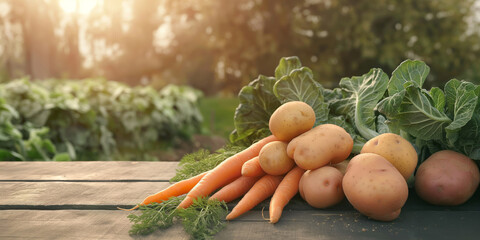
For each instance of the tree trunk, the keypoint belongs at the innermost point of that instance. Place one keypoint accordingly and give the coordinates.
(39, 40)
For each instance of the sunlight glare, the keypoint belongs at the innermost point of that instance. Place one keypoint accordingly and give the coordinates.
(84, 6)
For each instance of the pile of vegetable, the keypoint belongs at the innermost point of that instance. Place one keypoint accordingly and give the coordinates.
(362, 141)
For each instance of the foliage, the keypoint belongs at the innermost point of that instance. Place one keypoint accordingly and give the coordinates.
(437, 119)
(24, 142)
(260, 98)
(334, 38)
(369, 105)
(95, 117)
(202, 220)
(359, 97)
(198, 42)
(154, 216)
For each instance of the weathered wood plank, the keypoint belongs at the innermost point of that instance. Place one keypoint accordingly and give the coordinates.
(353, 225)
(73, 224)
(99, 187)
(99, 170)
(76, 193)
(110, 194)
(85, 224)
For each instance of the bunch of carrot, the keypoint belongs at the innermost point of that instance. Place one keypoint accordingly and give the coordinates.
(237, 176)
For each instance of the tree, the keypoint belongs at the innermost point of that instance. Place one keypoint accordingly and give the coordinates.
(46, 54)
(121, 43)
(218, 45)
(335, 38)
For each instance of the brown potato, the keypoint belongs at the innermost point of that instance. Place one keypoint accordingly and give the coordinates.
(273, 158)
(291, 119)
(322, 187)
(324, 144)
(375, 187)
(396, 149)
(447, 178)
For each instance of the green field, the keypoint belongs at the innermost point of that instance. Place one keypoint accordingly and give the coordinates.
(218, 115)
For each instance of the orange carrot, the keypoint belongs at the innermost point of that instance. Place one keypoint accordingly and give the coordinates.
(174, 190)
(235, 189)
(252, 168)
(285, 191)
(260, 191)
(224, 173)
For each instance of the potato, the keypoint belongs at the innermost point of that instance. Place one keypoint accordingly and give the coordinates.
(326, 143)
(291, 119)
(396, 149)
(447, 178)
(322, 187)
(273, 158)
(375, 187)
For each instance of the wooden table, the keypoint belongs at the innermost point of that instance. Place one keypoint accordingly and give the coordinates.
(78, 200)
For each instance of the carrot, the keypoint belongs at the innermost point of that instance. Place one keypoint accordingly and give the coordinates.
(174, 190)
(260, 191)
(235, 189)
(252, 168)
(285, 191)
(224, 173)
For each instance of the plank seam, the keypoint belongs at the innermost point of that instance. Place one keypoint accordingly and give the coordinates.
(65, 207)
(79, 180)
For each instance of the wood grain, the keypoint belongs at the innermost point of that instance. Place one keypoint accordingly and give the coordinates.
(78, 200)
(89, 171)
(93, 194)
(88, 224)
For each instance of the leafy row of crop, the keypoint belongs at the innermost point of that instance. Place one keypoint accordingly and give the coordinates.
(90, 118)
(369, 105)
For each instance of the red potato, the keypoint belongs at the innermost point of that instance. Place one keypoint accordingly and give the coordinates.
(447, 178)
(323, 144)
(375, 187)
(322, 187)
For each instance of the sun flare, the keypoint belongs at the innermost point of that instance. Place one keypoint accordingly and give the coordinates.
(79, 6)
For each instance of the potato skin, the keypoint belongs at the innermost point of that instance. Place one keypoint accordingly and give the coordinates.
(396, 149)
(322, 187)
(323, 144)
(375, 187)
(273, 158)
(447, 178)
(291, 119)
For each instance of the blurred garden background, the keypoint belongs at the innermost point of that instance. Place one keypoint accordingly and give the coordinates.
(140, 79)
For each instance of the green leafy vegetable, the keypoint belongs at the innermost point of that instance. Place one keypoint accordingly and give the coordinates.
(300, 86)
(260, 98)
(461, 101)
(408, 71)
(438, 98)
(257, 103)
(416, 115)
(286, 66)
(371, 104)
(360, 95)
(437, 119)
